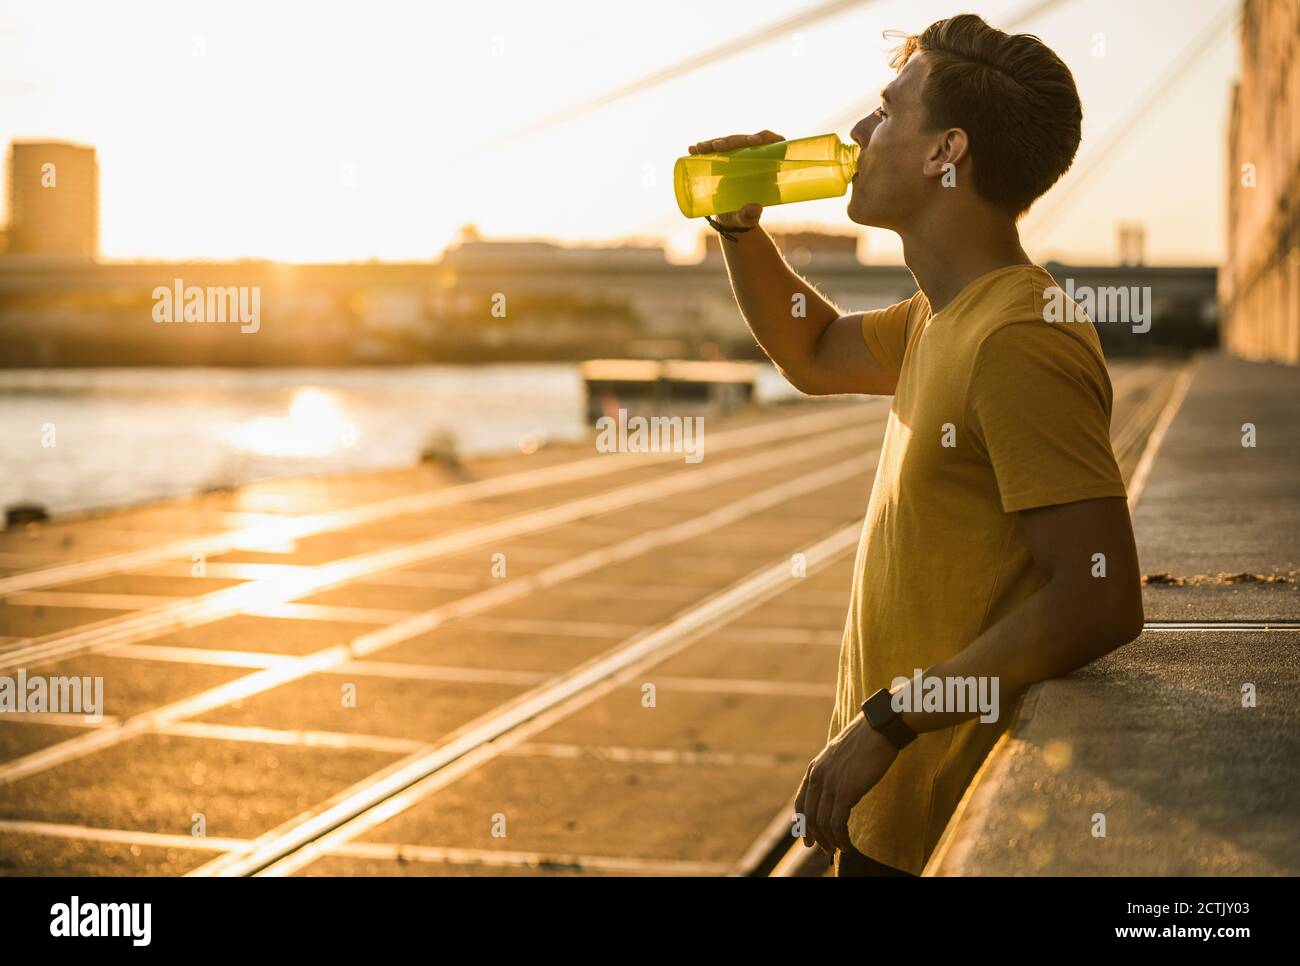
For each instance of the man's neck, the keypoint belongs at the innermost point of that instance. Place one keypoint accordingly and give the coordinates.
(945, 257)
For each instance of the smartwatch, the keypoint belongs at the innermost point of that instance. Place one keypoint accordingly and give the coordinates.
(880, 714)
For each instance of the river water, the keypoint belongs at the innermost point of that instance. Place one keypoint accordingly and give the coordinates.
(79, 439)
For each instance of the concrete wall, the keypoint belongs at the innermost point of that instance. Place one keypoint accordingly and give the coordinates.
(1260, 282)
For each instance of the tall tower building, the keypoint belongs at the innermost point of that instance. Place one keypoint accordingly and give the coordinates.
(53, 191)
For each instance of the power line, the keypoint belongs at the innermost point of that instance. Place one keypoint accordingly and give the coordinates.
(1115, 135)
(694, 62)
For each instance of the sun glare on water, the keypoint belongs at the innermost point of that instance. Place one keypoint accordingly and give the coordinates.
(314, 426)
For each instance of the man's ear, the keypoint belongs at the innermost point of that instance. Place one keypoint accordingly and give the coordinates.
(946, 153)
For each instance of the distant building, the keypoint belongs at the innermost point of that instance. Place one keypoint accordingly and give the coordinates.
(474, 251)
(502, 299)
(802, 248)
(1259, 286)
(53, 194)
(1132, 243)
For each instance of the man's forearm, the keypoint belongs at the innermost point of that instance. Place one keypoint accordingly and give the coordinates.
(766, 287)
(1051, 634)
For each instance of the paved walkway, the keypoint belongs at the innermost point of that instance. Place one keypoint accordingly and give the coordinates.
(1154, 741)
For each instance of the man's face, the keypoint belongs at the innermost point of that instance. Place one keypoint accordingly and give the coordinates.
(890, 186)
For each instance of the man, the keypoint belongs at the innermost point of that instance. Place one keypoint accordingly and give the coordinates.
(997, 547)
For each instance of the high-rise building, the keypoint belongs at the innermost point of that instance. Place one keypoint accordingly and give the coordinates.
(1259, 286)
(53, 191)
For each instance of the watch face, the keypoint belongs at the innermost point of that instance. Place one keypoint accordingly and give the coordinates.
(880, 714)
(878, 708)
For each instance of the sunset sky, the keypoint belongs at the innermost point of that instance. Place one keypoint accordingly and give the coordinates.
(323, 132)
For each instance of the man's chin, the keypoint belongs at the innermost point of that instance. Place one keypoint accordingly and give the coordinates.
(861, 215)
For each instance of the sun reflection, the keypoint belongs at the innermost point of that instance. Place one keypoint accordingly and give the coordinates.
(314, 426)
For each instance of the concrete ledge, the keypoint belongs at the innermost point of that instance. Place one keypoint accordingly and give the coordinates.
(1154, 740)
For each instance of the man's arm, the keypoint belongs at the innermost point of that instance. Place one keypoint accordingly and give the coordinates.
(1069, 622)
(820, 350)
(821, 353)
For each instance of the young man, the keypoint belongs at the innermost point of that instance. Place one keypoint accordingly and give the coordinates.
(997, 547)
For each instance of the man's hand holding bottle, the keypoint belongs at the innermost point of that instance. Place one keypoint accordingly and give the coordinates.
(748, 216)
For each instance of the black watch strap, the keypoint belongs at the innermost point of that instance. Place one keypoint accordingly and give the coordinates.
(880, 714)
(728, 232)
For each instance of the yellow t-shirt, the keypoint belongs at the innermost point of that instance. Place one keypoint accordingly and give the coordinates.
(996, 410)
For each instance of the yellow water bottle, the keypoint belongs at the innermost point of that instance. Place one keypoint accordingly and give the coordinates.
(802, 169)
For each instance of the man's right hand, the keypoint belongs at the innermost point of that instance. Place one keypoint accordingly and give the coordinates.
(748, 216)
